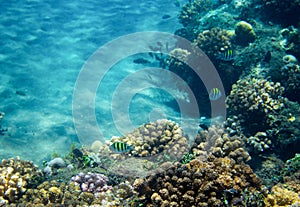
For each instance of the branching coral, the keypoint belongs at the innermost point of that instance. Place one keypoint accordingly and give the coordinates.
(215, 141)
(281, 196)
(258, 99)
(253, 99)
(191, 12)
(160, 137)
(199, 183)
(290, 74)
(213, 42)
(15, 174)
(57, 193)
(256, 96)
(176, 62)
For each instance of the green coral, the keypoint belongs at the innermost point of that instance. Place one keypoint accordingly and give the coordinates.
(291, 166)
(188, 157)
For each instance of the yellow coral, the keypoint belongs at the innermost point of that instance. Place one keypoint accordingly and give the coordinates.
(281, 197)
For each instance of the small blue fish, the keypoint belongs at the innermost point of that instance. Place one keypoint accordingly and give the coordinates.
(215, 94)
(227, 55)
(120, 147)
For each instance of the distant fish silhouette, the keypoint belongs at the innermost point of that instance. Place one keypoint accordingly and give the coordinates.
(267, 57)
(141, 61)
(166, 16)
(176, 3)
(203, 126)
(159, 44)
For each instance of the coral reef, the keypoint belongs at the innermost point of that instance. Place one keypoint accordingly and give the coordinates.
(281, 196)
(244, 33)
(254, 99)
(290, 74)
(213, 42)
(213, 182)
(191, 13)
(215, 141)
(176, 62)
(291, 166)
(60, 193)
(259, 141)
(15, 175)
(91, 182)
(155, 138)
(270, 170)
(285, 11)
(178, 57)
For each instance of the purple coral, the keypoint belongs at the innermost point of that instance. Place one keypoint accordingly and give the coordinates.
(91, 182)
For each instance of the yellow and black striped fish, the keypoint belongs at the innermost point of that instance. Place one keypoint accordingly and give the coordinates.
(120, 147)
(226, 55)
(215, 94)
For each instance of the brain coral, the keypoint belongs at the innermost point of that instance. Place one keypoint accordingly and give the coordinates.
(199, 183)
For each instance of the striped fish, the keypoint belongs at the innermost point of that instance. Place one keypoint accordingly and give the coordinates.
(227, 55)
(120, 147)
(215, 94)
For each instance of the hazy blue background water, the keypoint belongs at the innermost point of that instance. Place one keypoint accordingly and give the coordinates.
(44, 44)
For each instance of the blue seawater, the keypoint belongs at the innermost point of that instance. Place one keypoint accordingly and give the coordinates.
(44, 45)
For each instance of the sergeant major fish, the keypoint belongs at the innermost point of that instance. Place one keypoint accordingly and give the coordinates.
(226, 55)
(120, 147)
(215, 94)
